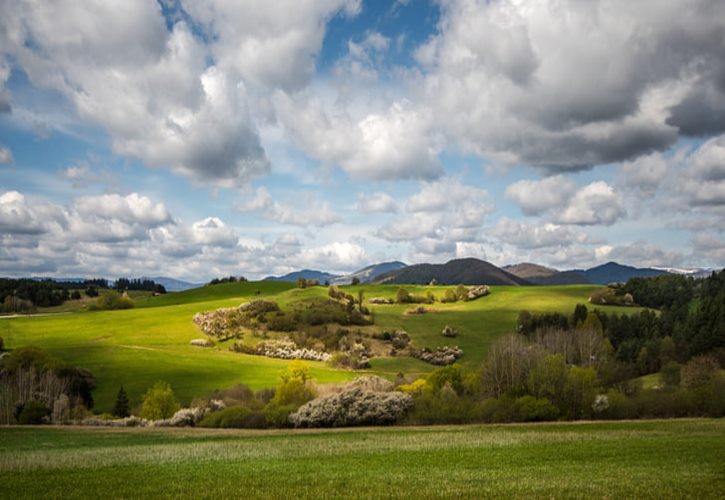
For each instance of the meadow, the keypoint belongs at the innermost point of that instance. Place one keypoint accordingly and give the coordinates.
(139, 346)
(645, 459)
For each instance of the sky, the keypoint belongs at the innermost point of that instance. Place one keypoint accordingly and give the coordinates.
(205, 138)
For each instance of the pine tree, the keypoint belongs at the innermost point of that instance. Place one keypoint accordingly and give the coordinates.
(122, 408)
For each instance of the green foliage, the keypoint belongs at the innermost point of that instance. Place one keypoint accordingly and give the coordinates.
(447, 375)
(235, 417)
(532, 409)
(449, 296)
(402, 296)
(159, 402)
(122, 408)
(33, 413)
(355, 281)
(699, 371)
(112, 300)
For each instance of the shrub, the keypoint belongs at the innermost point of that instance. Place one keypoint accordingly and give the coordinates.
(353, 406)
(33, 412)
(403, 296)
(670, 374)
(234, 417)
(112, 300)
(532, 409)
(449, 331)
(699, 371)
(349, 361)
(449, 296)
(159, 402)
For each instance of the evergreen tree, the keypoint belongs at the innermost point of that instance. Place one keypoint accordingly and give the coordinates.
(122, 407)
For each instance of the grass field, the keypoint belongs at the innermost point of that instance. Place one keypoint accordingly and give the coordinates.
(139, 346)
(646, 459)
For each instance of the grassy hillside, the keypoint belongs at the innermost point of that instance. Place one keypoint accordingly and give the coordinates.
(656, 459)
(139, 346)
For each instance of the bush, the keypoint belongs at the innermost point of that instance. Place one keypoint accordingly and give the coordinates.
(670, 374)
(532, 409)
(353, 406)
(159, 402)
(33, 413)
(699, 371)
(349, 361)
(112, 300)
(403, 296)
(234, 417)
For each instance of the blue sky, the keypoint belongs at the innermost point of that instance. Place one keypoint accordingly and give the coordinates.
(200, 139)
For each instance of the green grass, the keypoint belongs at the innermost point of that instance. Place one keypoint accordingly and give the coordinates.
(649, 459)
(139, 346)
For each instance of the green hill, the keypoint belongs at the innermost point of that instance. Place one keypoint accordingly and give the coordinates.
(139, 346)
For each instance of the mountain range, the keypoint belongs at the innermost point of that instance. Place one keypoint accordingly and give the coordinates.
(365, 275)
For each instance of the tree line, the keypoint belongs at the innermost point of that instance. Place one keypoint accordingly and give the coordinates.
(24, 295)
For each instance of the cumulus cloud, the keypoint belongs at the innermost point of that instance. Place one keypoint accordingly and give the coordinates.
(595, 203)
(376, 203)
(398, 143)
(439, 216)
(315, 213)
(644, 174)
(537, 197)
(558, 197)
(333, 256)
(151, 87)
(532, 236)
(505, 81)
(116, 235)
(270, 45)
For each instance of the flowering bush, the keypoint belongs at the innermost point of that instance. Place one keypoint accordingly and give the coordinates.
(360, 403)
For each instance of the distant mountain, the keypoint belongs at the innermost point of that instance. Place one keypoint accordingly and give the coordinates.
(173, 285)
(612, 272)
(460, 271)
(307, 274)
(697, 273)
(542, 275)
(370, 273)
(527, 270)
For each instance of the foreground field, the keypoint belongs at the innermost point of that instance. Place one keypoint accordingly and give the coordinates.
(139, 346)
(649, 459)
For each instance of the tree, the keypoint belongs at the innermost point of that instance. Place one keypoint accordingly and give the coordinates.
(122, 407)
(355, 281)
(76, 295)
(403, 296)
(159, 402)
(92, 291)
(301, 282)
(580, 315)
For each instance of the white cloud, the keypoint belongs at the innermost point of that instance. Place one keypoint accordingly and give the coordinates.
(334, 256)
(315, 213)
(531, 236)
(6, 156)
(644, 174)
(537, 197)
(269, 44)
(398, 143)
(595, 203)
(568, 85)
(376, 203)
